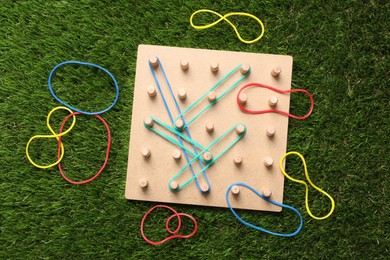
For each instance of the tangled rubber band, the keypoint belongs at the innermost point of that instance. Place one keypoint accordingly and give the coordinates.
(61, 149)
(174, 233)
(306, 186)
(224, 18)
(246, 110)
(268, 200)
(107, 150)
(49, 82)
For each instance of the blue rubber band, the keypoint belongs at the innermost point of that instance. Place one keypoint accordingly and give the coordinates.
(172, 122)
(71, 62)
(268, 200)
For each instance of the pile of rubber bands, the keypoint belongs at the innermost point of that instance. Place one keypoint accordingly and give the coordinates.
(73, 111)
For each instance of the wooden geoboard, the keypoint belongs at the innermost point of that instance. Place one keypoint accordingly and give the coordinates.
(151, 164)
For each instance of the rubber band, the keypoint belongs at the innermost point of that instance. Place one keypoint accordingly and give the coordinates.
(177, 133)
(306, 186)
(213, 160)
(223, 79)
(268, 200)
(107, 150)
(172, 122)
(249, 111)
(224, 18)
(49, 82)
(61, 150)
(174, 233)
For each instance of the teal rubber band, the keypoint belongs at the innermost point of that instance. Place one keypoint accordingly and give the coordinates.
(215, 101)
(213, 160)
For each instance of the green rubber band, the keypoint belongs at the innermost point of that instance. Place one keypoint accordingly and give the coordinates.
(212, 160)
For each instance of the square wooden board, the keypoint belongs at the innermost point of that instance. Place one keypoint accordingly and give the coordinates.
(254, 147)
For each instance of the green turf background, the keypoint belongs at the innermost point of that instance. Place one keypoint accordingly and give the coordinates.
(340, 51)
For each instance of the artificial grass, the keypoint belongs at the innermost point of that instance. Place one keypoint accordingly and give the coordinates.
(340, 51)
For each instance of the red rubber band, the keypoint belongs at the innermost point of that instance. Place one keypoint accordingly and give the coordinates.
(107, 150)
(275, 110)
(174, 234)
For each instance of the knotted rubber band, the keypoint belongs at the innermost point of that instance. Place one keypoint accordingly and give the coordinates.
(107, 150)
(174, 234)
(61, 148)
(268, 200)
(249, 111)
(224, 17)
(49, 82)
(306, 186)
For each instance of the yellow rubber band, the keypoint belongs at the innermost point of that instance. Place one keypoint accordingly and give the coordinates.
(54, 135)
(307, 187)
(224, 17)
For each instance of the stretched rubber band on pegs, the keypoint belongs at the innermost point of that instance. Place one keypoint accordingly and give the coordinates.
(213, 160)
(179, 134)
(224, 18)
(172, 122)
(250, 111)
(306, 186)
(107, 150)
(268, 200)
(49, 82)
(61, 149)
(223, 79)
(174, 233)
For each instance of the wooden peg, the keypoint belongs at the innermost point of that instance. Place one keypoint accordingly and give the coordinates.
(209, 127)
(153, 61)
(152, 92)
(276, 71)
(266, 193)
(207, 156)
(214, 67)
(245, 68)
(145, 152)
(273, 101)
(268, 162)
(174, 185)
(176, 154)
(204, 188)
(212, 96)
(235, 190)
(179, 124)
(243, 98)
(182, 94)
(143, 183)
(184, 64)
(271, 131)
(237, 159)
(240, 129)
(149, 121)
